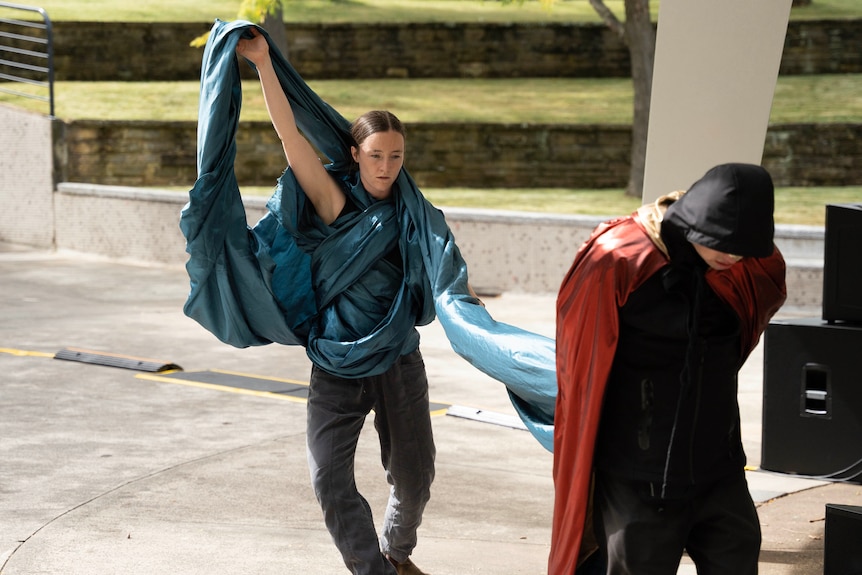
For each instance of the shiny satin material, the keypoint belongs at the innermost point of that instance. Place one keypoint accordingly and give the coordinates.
(619, 256)
(367, 306)
(253, 286)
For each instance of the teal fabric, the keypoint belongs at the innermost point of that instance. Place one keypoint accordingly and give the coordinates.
(253, 285)
(367, 305)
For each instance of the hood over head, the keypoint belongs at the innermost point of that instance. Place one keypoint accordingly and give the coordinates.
(729, 209)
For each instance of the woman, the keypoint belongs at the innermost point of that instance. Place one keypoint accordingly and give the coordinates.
(347, 261)
(338, 405)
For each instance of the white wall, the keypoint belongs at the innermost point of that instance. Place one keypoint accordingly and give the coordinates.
(505, 251)
(26, 178)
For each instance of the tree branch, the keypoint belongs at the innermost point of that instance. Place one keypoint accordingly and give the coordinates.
(609, 18)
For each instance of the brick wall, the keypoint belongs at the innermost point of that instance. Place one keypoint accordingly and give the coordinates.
(445, 155)
(151, 51)
(128, 153)
(823, 47)
(814, 154)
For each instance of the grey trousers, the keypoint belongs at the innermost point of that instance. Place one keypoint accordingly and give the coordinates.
(639, 535)
(337, 408)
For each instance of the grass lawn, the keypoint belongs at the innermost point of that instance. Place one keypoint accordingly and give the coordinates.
(796, 206)
(826, 98)
(821, 98)
(382, 10)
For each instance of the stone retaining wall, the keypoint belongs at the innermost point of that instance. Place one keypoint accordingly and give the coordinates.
(444, 155)
(140, 51)
(505, 251)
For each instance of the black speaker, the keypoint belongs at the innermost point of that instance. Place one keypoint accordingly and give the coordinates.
(812, 399)
(842, 263)
(842, 554)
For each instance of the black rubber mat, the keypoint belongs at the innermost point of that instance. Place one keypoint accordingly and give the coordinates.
(252, 382)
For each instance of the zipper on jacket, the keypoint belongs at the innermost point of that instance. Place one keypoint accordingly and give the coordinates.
(698, 387)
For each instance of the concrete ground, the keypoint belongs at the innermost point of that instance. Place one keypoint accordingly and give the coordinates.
(112, 470)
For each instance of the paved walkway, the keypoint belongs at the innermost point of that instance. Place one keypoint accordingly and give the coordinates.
(122, 471)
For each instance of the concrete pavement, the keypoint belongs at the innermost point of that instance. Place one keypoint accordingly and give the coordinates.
(122, 471)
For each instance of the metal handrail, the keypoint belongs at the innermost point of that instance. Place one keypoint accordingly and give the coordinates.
(14, 70)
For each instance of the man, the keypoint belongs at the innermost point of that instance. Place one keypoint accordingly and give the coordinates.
(656, 316)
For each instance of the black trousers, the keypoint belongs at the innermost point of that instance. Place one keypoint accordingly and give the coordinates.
(639, 534)
(337, 410)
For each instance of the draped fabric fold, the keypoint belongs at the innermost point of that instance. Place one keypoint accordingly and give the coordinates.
(253, 285)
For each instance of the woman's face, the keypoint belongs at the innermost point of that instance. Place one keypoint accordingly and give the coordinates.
(380, 158)
(715, 259)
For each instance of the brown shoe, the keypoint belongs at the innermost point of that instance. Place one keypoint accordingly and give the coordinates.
(406, 568)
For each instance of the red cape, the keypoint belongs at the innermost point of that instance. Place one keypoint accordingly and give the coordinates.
(615, 261)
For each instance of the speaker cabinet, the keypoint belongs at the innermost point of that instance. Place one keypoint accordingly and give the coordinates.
(842, 264)
(841, 552)
(812, 399)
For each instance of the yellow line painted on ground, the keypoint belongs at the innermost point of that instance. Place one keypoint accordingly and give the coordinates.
(243, 391)
(22, 352)
(162, 377)
(240, 390)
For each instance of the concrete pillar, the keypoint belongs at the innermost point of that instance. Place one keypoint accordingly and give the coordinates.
(716, 65)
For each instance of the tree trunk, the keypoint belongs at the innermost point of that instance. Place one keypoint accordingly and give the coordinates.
(640, 37)
(273, 23)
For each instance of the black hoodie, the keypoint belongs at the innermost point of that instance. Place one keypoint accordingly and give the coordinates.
(729, 209)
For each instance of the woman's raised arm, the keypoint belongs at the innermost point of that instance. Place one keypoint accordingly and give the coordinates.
(323, 192)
